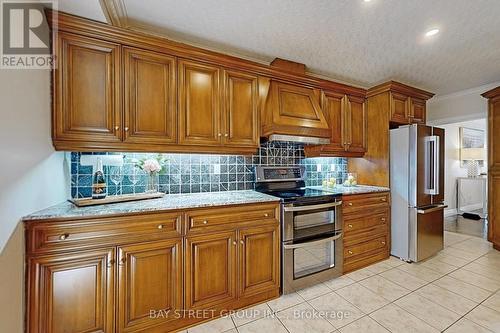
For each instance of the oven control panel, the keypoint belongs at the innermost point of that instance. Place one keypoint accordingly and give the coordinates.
(279, 173)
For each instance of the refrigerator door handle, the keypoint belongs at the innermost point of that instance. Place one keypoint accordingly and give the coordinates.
(432, 165)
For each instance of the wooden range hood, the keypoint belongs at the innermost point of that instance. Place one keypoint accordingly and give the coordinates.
(291, 112)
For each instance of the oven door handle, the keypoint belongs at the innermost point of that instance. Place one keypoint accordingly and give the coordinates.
(313, 207)
(316, 242)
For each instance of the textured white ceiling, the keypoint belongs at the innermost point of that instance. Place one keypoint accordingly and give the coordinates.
(363, 43)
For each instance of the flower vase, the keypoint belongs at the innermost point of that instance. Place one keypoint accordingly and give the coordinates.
(152, 185)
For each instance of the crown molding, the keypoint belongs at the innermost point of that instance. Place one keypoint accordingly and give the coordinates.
(115, 12)
(471, 91)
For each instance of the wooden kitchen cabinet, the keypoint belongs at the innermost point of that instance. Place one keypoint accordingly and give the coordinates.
(259, 257)
(210, 268)
(86, 90)
(240, 115)
(347, 119)
(149, 278)
(150, 100)
(71, 292)
(417, 110)
(199, 103)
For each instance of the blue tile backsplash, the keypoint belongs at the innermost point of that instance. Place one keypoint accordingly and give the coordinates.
(192, 173)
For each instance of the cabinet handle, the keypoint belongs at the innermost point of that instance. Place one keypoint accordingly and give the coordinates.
(242, 242)
(205, 222)
(266, 215)
(219, 134)
(111, 262)
(122, 261)
(63, 236)
(226, 135)
(349, 225)
(234, 243)
(382, 219)
(384, 199)
(383, 243)
(117, 128)
(126, 129)
(350, 203)
(160, 226)
(350, 252)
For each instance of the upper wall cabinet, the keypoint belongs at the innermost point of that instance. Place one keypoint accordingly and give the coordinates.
(347, 118)
(407, 105)
(87, 90)
(150, 104)
(199, 103)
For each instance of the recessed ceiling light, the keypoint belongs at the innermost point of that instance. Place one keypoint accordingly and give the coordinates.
(431, 32)
(367, 0)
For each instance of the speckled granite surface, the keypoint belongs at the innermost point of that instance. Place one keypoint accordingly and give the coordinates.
(359, 189)
(168, 202)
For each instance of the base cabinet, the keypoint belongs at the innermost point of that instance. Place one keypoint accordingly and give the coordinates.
(153, 275)
(71, 293)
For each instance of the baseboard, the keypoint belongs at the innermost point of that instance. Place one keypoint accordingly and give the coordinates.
(450, 212)
(472, 207)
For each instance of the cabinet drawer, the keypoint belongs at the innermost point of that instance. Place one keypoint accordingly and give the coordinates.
(219, 217)
(359, 225)
(365, 203)
(67, 235)
(375, 245)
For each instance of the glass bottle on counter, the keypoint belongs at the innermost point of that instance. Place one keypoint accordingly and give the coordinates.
(99, 187)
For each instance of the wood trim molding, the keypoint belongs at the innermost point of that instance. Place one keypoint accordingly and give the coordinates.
(115, 12)
(141, 39)
(401, 88)
(491, 94)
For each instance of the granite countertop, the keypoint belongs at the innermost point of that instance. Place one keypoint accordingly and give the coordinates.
(67, 210)
(358, 189)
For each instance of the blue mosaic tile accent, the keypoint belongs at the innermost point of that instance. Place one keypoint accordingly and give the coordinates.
(193, 173)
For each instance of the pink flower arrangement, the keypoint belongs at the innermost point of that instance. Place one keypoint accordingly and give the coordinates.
(151, 166)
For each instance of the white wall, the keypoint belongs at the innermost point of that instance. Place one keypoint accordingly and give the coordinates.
(460, 106)
(32, 177)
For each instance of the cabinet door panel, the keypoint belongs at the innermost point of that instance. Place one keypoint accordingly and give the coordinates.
(199, 103)
(240, 114)
(417, 111)
(150, 106)
(72, 293)
(357, 124)
(150, 278)
(399, 108)
(210, 270)
(87, 83)
(259, 259)
(334, 109)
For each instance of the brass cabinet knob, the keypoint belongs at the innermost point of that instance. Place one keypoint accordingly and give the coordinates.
(111, 262)
(226, 135)
(63, 236)
(205, 222)
(160, 226)
(384, 199)
(219, 134)
(126, 129)
(383, 243)
(117, 128)
(382, 219)
(349, 225)
(266, 215)
(350, 203)
(234, 243)
(242, 242)
(122, 261)
(350, 252)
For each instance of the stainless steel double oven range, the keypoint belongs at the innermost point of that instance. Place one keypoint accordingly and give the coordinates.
(311, 227)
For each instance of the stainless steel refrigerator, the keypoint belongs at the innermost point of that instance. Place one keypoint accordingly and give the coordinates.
(417, 191)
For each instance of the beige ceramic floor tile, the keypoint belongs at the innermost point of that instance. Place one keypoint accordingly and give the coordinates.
(438, 266)
(385, 288)
(215, 326)
(493, 302)
(360, 274)
(421, 272)
(474, 245)
(489, 260)
(485, 317)
(430, 312)
(285, 301)
(476, 280)
(453, 251)
(380, 267)
(304, 318)
(340, 282)
(451, 238)
(314, 291)
(404, 279)
(451, 260)
(245, 316)
(364, 325)
(447, 299)
(339, 311)
(466, 326)
(233, 330)
(394, 262)
(362, 298)
(491, 272)
(464, 289)
(267, 324)
(398, 320)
